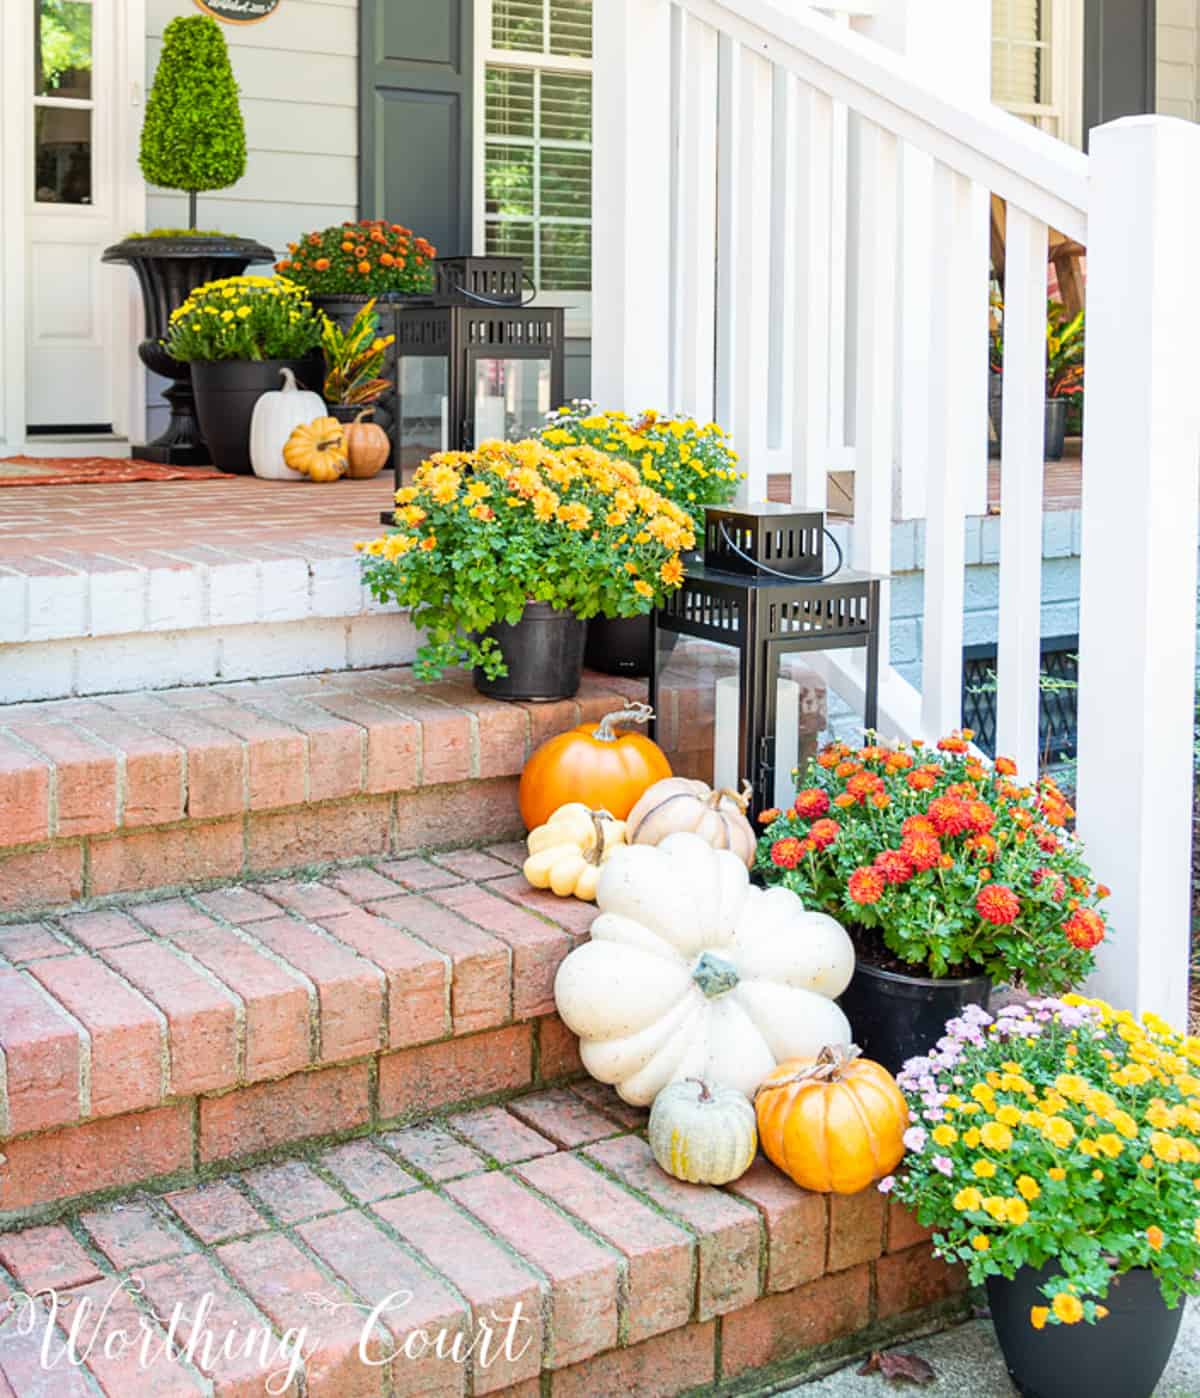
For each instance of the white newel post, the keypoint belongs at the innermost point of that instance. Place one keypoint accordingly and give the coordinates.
(1137, 626)
(631, 204)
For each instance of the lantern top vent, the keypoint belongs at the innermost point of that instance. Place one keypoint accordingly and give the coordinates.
(770, 538)
(474, 281)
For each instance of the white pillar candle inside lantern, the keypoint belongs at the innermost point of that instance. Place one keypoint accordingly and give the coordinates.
(787, 737)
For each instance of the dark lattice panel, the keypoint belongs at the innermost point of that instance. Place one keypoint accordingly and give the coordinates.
(1057, 717)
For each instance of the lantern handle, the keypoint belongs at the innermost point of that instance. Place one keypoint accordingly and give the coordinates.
(774, 572)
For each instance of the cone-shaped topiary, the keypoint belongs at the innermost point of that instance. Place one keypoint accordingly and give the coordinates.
(193, 137)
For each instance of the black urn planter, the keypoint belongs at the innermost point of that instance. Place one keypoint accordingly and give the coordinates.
(543, 652)
(168, 270)
(226, 391)
(895, 1017)
(1121, 1356)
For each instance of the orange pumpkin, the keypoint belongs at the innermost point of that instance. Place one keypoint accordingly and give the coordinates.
(597, 765)
(367, 447)
(834, 1123)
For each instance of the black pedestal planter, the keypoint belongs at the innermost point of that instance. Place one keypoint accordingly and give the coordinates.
(543, 653)
(167, 271)
(1121, 1356)
(226, 391)
(894, 1017)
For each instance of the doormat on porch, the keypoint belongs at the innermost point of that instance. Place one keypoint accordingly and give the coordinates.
(96, 470)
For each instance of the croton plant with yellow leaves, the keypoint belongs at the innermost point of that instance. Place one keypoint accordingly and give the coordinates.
(478, 534)
(1062, 1132)
(691, 463)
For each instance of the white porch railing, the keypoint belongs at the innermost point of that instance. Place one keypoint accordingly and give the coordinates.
(731, 139)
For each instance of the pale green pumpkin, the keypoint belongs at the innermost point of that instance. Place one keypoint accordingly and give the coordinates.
(702, 1134)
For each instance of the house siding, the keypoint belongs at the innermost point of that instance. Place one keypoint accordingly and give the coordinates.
(1177, 75)
(298, 75)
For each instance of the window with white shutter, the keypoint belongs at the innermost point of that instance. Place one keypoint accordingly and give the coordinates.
(535, 185)
(1037, 63)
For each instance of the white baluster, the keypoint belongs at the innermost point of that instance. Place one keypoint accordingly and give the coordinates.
(1137, 624)
(958, 349)
(875, 364)
(1021, 470)
(631, 204)
(812, 158)
(695, 213)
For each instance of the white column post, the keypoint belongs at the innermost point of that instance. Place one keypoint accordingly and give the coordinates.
(631, 204)
(1137, 626)
(14, 193)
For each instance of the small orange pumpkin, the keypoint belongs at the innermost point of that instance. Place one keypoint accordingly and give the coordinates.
(595, 764)
(834, 1123)
(317, 449)
(367, 447)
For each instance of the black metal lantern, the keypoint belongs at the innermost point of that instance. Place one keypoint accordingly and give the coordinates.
(761, 594)
(473, 365)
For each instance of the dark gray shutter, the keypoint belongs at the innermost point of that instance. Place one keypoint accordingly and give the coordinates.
(1119, 60)
(415, 127)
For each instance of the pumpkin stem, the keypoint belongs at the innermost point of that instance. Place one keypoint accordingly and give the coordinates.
(366, 412)
(327, 443)
(596, 854)
(741, 799)
(289, 381)
(604, 732)
(705, 1094)
(828, 1066)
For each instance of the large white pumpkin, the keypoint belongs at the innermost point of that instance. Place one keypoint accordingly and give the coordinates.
(276, 416)
(693, 973)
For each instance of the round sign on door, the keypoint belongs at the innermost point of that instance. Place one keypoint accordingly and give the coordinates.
(238, 11)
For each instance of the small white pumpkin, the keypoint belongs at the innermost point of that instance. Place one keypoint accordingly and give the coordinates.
(567, 853)
(679, 803)
(276, 416)
(691, 972)
(702, 1134)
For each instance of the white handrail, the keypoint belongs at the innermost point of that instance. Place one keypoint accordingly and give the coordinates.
(1039, 174)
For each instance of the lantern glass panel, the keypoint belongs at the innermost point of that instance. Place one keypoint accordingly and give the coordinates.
(423, 408)
(512, 397)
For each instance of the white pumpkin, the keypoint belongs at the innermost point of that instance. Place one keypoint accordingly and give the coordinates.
(703, 1135)
(276, 416)
(691, 972)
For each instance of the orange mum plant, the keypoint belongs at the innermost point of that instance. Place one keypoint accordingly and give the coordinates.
(367, 258)
(941, 863)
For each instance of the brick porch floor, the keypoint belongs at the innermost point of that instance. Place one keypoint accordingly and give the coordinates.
(84, 527)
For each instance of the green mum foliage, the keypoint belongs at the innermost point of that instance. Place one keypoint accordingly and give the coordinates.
(193, 137)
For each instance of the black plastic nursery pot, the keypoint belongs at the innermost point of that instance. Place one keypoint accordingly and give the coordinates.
(1121, 1356)
(543, 652)
(894, 1016)
(226, 391)
(620, 645)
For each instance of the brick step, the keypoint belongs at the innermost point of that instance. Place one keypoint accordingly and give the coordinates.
(167, 788)
(547, 1222)
(170, 788)
(153, 1037)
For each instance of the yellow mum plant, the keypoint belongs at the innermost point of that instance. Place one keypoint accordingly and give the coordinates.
(1060, 1132)
(692, 464)
(478, 534)
(245, 318)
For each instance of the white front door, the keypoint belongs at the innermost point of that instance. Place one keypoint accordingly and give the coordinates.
(78, 332)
